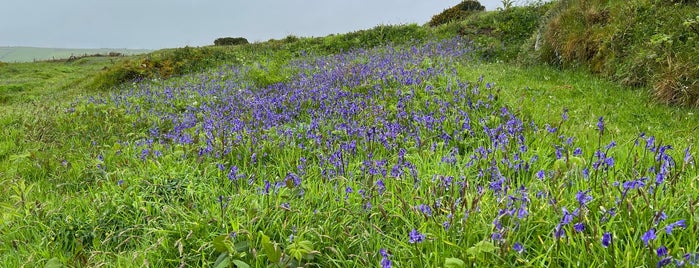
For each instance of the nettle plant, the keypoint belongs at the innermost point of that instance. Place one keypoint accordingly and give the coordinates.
(386, 156)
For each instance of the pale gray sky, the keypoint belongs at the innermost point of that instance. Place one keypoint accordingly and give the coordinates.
(156, 24)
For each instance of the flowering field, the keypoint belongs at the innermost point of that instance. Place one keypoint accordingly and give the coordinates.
(377, 157)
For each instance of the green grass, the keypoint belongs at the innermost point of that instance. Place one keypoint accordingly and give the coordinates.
(29, 54)
(543, 92)
(24, 83)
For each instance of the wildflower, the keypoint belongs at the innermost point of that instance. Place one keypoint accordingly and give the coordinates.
(600, 125)
(606, 239)
(583, 198)
(415, 236)
(692, 258)
(565, 114)
(446, 225)
(380, 186)
(664, 262)
(579, 227)
(518, 247)
(425, 209)
(385, 262)
(648, 236)
(661, 251)
(610, 145)
(671, 226)
(541, 174)
(577, 151)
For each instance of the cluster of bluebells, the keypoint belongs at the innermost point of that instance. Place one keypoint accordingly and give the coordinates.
(364, 121)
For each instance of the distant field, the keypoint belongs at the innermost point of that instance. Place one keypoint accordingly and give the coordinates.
(28, 54)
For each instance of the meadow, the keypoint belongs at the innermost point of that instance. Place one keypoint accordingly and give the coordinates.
(400, 154)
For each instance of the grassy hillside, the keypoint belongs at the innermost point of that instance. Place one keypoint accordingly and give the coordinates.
(398, 146)
(28, 54)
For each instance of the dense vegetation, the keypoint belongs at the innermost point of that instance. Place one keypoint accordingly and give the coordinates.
(637, 43)
(401, 146)
(230, 41)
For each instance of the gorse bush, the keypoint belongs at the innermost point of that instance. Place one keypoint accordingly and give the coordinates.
(229, 41)
(457, 12)
(638, 43)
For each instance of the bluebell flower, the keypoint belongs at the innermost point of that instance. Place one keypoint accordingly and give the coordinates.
(671, 226)
(415, 237)
(664, 262)
(661, 251)
(583, 198)
(606, 239)
(519, 248)
(600, 125)
(541, 174)
(579, 227)
(648, 236)
(385, 262)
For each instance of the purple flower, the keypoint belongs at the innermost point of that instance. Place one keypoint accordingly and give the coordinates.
(661, 251)
(565, 114)
(385, 262)
(664, 262)
(518, 247)
(692, 258)
(415, 236)
(577, 151)
(610, 145)
(583, 198)
(425, 209)
(606, 239)
(380, 186)
(579, 227)
(600, 125)
(648, 236)
(671, 226)
(541, 174)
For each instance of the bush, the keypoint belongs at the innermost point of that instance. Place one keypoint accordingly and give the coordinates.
(230, 41)
(457, 12)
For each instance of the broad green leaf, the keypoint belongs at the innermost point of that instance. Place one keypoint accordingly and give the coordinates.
(273, 252)
(240, 264)
(454, 263)
(54, 263)
(221, 244)
(481, 247)
(223, 260)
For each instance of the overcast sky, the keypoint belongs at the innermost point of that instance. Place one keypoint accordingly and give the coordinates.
(154, 24)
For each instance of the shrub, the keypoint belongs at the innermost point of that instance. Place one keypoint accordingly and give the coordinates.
(457, 12)
(230, 41)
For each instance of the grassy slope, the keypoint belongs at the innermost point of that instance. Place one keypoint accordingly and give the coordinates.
(543, 92)
(44, 196)
(28, 54)
(48, 82)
